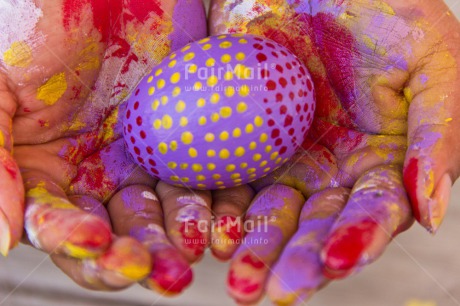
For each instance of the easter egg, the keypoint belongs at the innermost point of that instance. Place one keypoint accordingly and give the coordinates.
(220, 112)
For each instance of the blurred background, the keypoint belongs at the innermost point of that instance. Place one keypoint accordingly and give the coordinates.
(416, 270)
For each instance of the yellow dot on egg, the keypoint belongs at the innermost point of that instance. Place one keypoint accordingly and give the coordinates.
(243, 165)
(230, 168)
(210, 62)
(204, 40)
(215, 97)
(192, 68)
(185, 48)
(268, 148)
(206, 47)
(225, 111)
(209, 137)
(161, 83)
(201, 102)
(219, 183)
(225, 44)
(235, 176)
(192, 152)
(180, 106)
(167, 122)
(189, 56)
(285, 160)
(197, 167)
(201, 185)
(224, 154)
(175, 77)
(173, 145)
(200, 178)
(236, 132)
(183, 121)
(215, 117)
(155, 104)
(186, 137)
(228, 76)
(151, 90)
(176, 91)
(274, 155)
(241, 107)
(212, 81)
(172, 165)
(240, 56)
(252, 145)
(258, 121)
(243, 41)
(163, 148)
(249, 128)
(244, 90)
(251, 170)
(224, 136)
(158, 72)
(164, 100)
(150, 79)
(197, 86)
(251, 176)
(267, 169)
(242, 72)
(210, 153)
(183, 166)
(174, 178)
(239, 151)
(211, 166)
(278, 160)
(172, 63)
(237, 181)
(263, 137)
(172, 56)
(237, 34)
(184, 179)
(256, 157)
(263, 164)
(202, 120)
(226, 58)
(229, 91)
(157, 124)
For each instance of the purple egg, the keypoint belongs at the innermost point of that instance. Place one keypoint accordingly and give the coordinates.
(220, 112)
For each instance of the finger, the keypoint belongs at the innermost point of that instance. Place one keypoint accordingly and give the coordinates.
(55, 225)
(135, 210)
(91, 206)
(124, 263)
(12, 190)
(187, 218)
(301, 254)
(273, 215)
(377, 210)
(228, 206)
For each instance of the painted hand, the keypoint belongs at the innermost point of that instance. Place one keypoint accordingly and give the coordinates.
(387, 78)
(65, 68)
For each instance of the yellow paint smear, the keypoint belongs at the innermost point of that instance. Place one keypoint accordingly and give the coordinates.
(408, 94)
(53, 89)
(77, 251)
(2, 139)
(385, 8)
(90, 57)
(42, 196)
(18, 55)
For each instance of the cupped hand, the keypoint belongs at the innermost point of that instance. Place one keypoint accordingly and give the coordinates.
(65, 68)
(386, 77)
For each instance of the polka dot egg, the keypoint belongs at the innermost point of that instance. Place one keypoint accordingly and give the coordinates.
(220, 112)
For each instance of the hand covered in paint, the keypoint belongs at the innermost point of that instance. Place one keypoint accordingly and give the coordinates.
(65, 67)
(387, 79)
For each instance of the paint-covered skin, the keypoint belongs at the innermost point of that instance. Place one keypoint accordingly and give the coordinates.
(387, 77)
(66, 66)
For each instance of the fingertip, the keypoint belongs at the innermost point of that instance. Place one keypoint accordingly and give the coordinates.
(5, 234)
(226, 235)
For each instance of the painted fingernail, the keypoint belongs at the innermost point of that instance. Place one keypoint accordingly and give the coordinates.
(346, 248)
(437, 205)
(246, 278)
(171, 272)
(5, 234)
(226, 236)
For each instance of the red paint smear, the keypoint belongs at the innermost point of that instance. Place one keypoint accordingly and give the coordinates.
(10, 167)
(254, 262)
(242, 285)
(232, 227)
(192, 237)
(346, 245)
(170, 272)
(410, 182)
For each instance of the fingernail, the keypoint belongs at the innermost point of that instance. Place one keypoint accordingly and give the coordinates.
(226, 236)
(346, 248)
(194, 238)
(5, 234)
(437, 205)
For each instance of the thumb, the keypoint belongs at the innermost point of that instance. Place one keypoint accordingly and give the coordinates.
(433, 158)
(11, 186)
